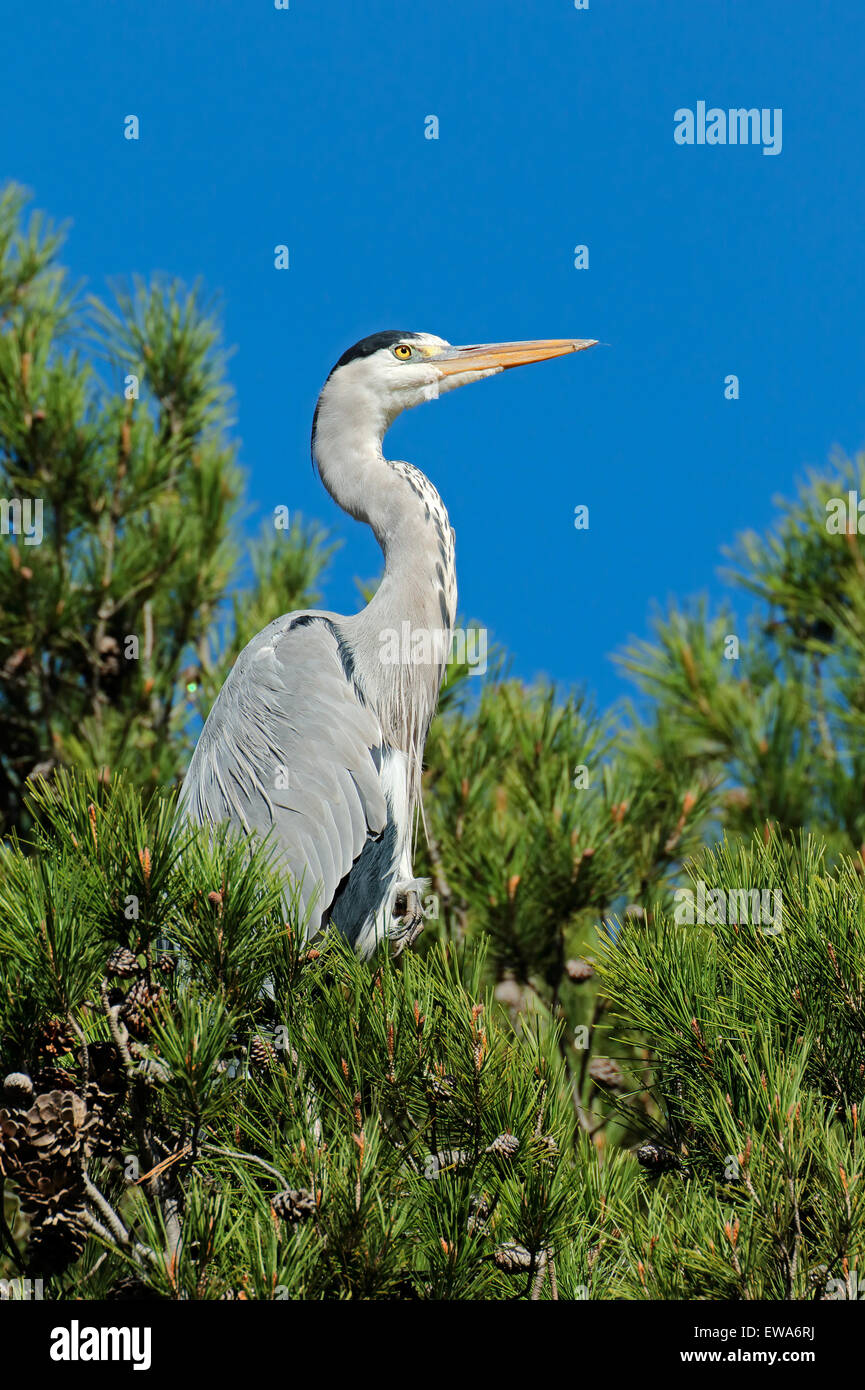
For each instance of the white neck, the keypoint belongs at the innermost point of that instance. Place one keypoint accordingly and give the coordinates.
(411, 525)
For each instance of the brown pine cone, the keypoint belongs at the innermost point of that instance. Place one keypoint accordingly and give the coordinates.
(13, 1143)
(54, 1124)
(605, 1072)
(656, 1157)
(439, 1087)
(504, 1146)
(56, 1038)
(55, 1243)
(18, 1090)
(48, 1189)
(509, 992)
(53, 1078)
(294, 1204)
(513, 1258)
(137, 1008)
(106, 1068)
(479, 1215)
(122, 964)
(261, 1054)
(104, 1135)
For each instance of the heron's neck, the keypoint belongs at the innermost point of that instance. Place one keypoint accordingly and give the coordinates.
(399, 503)
(402, 637)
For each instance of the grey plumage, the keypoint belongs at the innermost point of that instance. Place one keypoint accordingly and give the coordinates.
(290, 750)
(316, 739)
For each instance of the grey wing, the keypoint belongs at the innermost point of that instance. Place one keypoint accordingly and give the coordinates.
(290, 750)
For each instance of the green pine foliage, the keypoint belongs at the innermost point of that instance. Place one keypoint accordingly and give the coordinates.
(259, 1118)
(757, 1033)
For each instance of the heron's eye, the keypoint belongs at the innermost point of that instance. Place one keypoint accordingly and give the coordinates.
(402, 351)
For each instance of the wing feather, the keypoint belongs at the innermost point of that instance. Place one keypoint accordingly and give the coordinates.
(290, 748)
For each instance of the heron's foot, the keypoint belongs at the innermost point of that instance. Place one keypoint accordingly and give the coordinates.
(408, 920)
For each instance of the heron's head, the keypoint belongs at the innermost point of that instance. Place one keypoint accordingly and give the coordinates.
(389, 372)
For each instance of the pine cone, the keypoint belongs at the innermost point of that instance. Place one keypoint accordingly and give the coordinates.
(166, 965)
(261, 1054)
(656, 1157)
(39, 1147)
(513, 1258)
(294, 1204)
(579, 971)
(137, 1008)
(53, 1078)
(504, 1146)
(509, 993)
(104, 1097)
(52, 1189)
(12, 1140)
(446, 1160)
(18, 1090)
(54, 1124)
(56, 1038)
(122, 964)
(106, 1069)
(105, 1136)
(605, 1072)
(439, 1087)
(479, 1215)
(109, 655)
(55, 1243)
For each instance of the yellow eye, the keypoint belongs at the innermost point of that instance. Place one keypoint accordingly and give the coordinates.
(402, 350)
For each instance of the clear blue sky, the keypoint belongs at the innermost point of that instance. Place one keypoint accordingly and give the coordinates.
(306, 127)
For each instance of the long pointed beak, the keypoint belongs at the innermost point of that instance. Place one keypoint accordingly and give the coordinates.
(487, 357)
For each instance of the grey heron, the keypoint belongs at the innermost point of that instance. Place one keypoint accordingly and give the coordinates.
(316, 740)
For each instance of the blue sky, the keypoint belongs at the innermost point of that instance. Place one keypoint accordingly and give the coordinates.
(306, 127)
